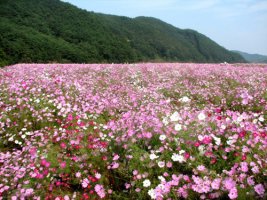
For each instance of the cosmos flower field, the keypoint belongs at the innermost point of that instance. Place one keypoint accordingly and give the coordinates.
(133, 131)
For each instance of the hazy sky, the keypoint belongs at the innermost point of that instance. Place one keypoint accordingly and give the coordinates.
(234, 24)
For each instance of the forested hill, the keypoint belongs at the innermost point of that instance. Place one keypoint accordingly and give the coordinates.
(253, 58)
(54, 31)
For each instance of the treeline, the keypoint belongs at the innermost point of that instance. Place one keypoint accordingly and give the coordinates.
(53, 31)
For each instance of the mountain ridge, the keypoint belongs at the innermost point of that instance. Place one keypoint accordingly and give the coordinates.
(252, 58)
(55, 31)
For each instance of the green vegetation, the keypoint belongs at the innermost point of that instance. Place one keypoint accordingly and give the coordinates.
(54, 31)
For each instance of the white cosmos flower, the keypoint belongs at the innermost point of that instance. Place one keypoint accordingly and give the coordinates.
(184, 99)
(161, 178)
(261, 118)
(200, 137)
(175, 117)
(161, 164)
(230, 141)
(85, 182)
(152, 193)
(176, 157)
(239, 119)
(165, 121)
(223, 126)
(153, 156)
(146, 183)
(227, 119)
(201, 116)
(98, 176)
(29, 133)
(201, 149)
(181, 151)
(178, 127)
(217, 140)
(162, 137)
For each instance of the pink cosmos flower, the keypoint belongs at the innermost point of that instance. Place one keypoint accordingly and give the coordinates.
(116, 157)
(186, 155)
(169, 164)
(233, 193)
(28, 191)
(229, 183)
(98, 176)
(45, 163)
(259, 189)
(201, 168)
(182, 192)
(115, 165)
(135, 172)
(244, 166)
(70, 117)
(216, 184)
(147, 135)
(62, 165)
(207, 140)
(255, 169)
(85, 182)
(99, 189)
(78, 174)
(66, 197)
(63, 145)
(33, 151)
(127, 185)
(165, 174)
(250, 181)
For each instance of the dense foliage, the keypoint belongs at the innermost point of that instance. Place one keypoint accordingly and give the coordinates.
(145, 131)
(54, 31)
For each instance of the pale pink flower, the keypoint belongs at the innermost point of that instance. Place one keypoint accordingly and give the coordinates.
(161, 164)
(169, 164)
(255, 169)
(201, 168)
(259, 189)
(116, 157)
(66, 197)
(98, 176)
(250, 181)
(78, 174)
(229, 183)
(216, 184)
(115, 165)
(233, 193)
(135, 172)
(99, 189)
(85, 182)
(244, 166)
(127, 185)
